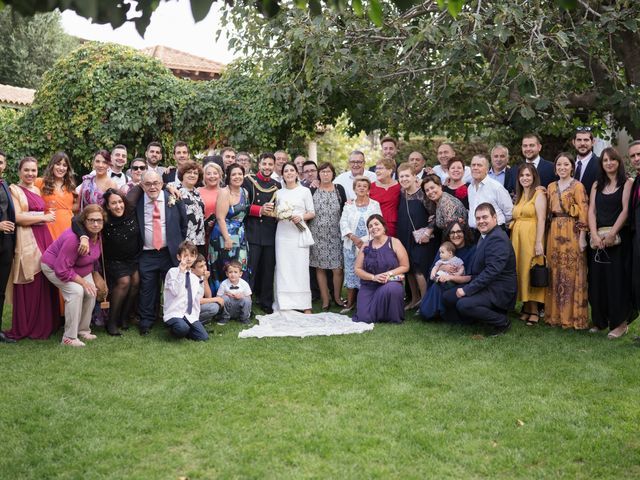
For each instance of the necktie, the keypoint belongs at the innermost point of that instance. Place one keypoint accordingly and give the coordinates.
(157, 226)
(114, 174)
(187, 283)
(578, 173)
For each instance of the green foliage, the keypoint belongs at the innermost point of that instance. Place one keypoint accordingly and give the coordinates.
(103, 94)
(30, 46)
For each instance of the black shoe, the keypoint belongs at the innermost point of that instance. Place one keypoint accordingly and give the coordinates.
(497, 331)
(144, 332)
(5, 339)
(222, 321)
(267, 310)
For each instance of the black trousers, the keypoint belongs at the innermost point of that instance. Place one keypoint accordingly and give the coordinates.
(472, 309)
(262, 264)
(153, 266)
(7, 247)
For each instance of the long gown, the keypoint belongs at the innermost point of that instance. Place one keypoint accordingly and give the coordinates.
(565, 299)
(35, 304)
(379, 302)
(523, 239)
(62, 203)
(218, 256)
(292, 286)
(389, 199)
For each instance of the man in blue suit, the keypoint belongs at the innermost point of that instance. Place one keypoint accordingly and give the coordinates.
(491, 293)
(531, 147)
(587, 162)
(163, 226)
(7, 239)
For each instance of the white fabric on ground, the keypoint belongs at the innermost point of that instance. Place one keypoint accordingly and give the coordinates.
(289, 323)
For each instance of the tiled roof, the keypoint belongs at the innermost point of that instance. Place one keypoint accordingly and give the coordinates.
(16, 95)
(177, 60)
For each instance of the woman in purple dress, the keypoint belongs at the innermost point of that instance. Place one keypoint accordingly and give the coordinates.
(35, 301)
(381, 266)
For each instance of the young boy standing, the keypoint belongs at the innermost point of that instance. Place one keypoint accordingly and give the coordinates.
(209, 305)
(236, 294)
(182, 294)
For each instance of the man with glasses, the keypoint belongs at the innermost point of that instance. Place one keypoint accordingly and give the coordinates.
(531, 147)
(356, 169)
(163, 226)
(309, 176)
(244, 160)
(586, 161)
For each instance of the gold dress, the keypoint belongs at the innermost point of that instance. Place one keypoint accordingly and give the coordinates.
(523, 238)
(566, 302)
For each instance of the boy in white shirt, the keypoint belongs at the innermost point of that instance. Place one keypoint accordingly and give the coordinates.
(210, 306)
(236, 294)
(182, 294)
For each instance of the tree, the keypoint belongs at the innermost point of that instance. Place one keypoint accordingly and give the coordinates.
(30, 46)
(517, 65)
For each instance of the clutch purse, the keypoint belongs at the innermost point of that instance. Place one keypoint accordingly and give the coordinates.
(602, 232)
(421, 234)
(234, 238)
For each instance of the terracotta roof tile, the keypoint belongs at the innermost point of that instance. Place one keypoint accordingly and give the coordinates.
(177, 60)
(16, 95)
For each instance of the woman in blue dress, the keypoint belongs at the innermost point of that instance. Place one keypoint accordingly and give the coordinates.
(228, 241)
(459, 234)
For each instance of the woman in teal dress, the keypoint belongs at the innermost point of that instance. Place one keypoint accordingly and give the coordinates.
(227, 241)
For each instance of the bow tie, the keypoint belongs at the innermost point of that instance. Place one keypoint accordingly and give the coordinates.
(114, 174)
(234, 287)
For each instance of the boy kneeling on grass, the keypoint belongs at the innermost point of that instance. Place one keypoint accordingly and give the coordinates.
(209, 305)
(236, 294)
(182, 294)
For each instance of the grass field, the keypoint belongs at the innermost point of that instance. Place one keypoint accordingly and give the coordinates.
(411, 401)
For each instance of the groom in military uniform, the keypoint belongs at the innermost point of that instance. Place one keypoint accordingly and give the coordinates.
(260, 230)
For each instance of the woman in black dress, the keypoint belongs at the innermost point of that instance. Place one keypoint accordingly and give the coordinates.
(609, 265)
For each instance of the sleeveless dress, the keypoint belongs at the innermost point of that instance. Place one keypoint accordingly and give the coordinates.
(62, 203)
(90, 194)
(379, 302)
(413, 215)
(610, 277)
(326, 253)
(523, 239)
(389, 199)
(565, 301)
(218, 256)
(35, 304)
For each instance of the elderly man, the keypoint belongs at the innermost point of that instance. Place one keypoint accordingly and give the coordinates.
(445, 153)
(484, 189)
(417, 162)
(299, 162)
(500, 170)
(491, 293)
(356, 169)
(244, 160)
(163, 225)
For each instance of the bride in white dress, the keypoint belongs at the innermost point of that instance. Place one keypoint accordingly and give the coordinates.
(292, 288)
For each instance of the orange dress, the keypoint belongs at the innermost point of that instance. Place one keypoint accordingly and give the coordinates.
(566, 302)
(62, 203)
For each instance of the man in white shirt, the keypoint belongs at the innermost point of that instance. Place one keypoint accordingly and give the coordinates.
(500, 170)
(118, 161)
(444, 154)
(356, 169)
(153, 156)
(484, 189)
(282, 158)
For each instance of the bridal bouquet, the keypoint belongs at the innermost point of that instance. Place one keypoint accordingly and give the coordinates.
(284, 211)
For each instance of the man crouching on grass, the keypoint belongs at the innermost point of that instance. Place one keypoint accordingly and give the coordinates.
(182, 293)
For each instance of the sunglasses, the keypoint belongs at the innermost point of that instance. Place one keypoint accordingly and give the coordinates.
(583, 129)
(139, 167)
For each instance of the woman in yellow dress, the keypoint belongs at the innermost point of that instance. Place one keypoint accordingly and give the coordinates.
(527, 235)
(57, 189)
(566, 300)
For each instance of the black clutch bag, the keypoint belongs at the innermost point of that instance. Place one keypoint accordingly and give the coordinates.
(539, 274)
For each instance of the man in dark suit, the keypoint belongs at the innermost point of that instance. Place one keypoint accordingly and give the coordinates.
(500, 170)
(634, 222)
(7, 239)
(260, 230)
(491, 293)
(163, 225)
(531, 147)
(587, 162)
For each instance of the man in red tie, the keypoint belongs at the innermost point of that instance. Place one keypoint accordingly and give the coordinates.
(163, 226)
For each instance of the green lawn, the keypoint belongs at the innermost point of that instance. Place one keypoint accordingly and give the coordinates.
(411, 401)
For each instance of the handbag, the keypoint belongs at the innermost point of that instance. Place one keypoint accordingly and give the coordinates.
(235, 239)
(101, 285)
(305, 239)
(419, 234)
(602, 232)
(539, 274)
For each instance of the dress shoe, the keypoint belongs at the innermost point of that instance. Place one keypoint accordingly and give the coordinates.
(144, 332)
(266, 309)
(619, 331)
(346, 309)
(5, 339)
(497, 331)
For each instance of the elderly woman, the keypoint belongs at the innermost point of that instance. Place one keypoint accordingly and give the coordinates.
(461, 237)
(326, 252)
(448, 208)
(35, 303)
(189, 175)
(72, 274)
(353, 229)
(386, 191)
(455, 184)
(412, 217)
(609, 268)
(209, 194)
(381, 266)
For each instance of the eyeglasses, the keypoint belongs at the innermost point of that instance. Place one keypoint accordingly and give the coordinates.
(309, 171)
(152, 184)
(583, 129)
(455, 233)
(97, 221)
(139, 167)
(356, 162)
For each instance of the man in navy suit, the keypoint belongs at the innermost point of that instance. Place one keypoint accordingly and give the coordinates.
(531, 147)
(500, 170)
(163, 226)
(7, 239)
(586, 161)
(491, 293)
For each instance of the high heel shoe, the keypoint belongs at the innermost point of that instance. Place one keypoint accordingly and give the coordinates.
(325, 308)
(340, 303)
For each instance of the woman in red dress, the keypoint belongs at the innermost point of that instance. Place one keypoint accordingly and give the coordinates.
(386, 191)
